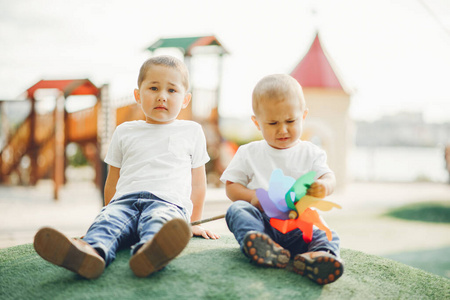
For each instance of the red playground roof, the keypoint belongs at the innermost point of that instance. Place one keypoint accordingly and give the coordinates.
(315, 70)
(69, 87)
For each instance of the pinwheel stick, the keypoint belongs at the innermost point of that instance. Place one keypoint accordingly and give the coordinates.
(207, 220)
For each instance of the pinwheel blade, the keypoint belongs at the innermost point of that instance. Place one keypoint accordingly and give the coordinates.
(279, 185)
(269, 207)
(310, 201)
(300, 186)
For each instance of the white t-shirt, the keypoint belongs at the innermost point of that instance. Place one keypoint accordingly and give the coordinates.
(253, 163)
(158, 159)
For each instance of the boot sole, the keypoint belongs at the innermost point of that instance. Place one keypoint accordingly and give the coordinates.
(323, 269)
(161, 249)
(59, 250)
(262, 250)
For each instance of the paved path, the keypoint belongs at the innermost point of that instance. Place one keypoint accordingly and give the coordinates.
(23, 210)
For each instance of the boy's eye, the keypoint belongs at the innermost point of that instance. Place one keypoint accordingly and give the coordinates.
(172, 91)
(154, 88)
(273, 123)
(291, 121)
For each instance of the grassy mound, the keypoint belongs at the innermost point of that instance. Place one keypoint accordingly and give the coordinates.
(210, 269)
(435, 212)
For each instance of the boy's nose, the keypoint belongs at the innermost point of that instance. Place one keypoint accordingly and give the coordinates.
(282, 128)
(162, 97)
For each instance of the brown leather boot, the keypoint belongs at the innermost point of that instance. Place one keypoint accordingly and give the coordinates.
(156, 253)
(72, 254)
(321, 267)
(261, 249)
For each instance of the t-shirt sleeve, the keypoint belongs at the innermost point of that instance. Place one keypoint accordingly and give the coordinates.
(320, 165)
(200, 154)
(237, 169)
(114, 154)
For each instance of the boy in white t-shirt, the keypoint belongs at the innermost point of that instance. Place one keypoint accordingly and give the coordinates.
(279, 111)
(156, 184)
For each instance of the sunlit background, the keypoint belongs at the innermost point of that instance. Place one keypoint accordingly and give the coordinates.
(392, 55)
(385, 129)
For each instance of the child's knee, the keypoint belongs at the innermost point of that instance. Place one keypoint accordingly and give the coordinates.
(238, 207)
(241, 209)
(240, 204)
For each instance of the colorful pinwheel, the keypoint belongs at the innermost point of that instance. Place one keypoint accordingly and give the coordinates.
(288, 206)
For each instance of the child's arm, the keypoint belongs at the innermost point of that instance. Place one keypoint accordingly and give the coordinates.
(236, 191)
(111, 182)
(323, 186)
(198, 200)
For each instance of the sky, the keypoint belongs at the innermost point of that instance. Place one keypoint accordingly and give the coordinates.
(394, 55)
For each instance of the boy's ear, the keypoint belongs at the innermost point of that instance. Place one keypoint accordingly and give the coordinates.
(137, 96)
(305, 113)
(187, 99)
(255, 122)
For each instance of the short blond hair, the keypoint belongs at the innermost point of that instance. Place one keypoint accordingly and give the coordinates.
(276, 87)
(167, 61)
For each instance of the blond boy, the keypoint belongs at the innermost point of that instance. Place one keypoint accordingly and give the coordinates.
(279, 112)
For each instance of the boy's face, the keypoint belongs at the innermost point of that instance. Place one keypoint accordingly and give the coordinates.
(162, 94)
(280, 122)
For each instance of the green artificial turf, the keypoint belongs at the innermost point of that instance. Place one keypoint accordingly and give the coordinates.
(435, 212)
(435, 261)
(214, 269)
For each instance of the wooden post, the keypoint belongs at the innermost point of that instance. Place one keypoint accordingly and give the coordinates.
(34, 150)
(187, 113)
(219, 82)
(105, 129)
(59, 145)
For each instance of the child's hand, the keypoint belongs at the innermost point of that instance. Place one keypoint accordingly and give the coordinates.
(317, 189)
(198, 230)
(255, 203)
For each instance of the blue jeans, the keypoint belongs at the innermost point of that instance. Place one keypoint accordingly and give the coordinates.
(243, 217)
(131, 219)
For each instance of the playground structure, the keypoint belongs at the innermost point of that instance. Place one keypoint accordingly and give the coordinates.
(35, 147)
